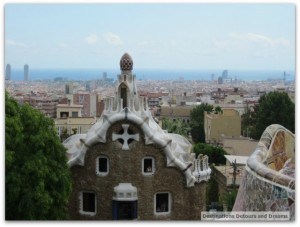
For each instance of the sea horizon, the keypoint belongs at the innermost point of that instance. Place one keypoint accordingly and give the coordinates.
(152, 74)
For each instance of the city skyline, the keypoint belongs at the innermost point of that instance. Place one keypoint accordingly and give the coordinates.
(162, 36)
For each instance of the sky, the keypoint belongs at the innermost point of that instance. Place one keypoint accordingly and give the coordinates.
(198, 36)
(157, 36)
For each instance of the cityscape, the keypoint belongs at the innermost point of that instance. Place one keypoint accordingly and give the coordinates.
(148, 142)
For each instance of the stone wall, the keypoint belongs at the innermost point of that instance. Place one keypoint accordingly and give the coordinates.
(126, 167)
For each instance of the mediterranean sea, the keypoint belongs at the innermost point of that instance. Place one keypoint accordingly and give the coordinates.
(151, 74)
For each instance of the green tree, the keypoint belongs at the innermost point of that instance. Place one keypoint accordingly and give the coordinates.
(215, 154)
(37, 178)
(64, 135)
(247, 121)
(177, 126)
(197, 122)
(218, 109)
(228, 199)
(74, 131)
(212, 191)
(274, 108)
(198, 134)
(197, 113)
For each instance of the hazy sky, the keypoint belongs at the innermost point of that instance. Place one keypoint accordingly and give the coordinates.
(161, 36)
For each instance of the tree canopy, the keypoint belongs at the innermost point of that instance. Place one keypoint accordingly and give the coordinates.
(212, 191)
(177, 126)
(37, 178)
(247, 121)
(197, 121)
(228, 198)
(215, 154)
(197, 113)
(274, 108)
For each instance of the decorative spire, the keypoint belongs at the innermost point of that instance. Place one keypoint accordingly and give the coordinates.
(126, 62)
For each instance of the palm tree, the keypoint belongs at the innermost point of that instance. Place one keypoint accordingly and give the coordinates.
(177, 126)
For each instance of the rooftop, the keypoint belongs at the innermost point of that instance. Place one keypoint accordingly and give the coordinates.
(240, 160)
(69, 106)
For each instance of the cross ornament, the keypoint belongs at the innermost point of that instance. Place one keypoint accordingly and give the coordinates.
(125, 137)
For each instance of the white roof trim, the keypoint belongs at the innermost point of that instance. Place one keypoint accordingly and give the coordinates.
(176, 148)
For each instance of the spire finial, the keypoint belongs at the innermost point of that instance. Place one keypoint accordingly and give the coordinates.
(126, 62)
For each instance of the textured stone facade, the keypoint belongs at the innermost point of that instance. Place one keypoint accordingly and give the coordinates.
(126, 166)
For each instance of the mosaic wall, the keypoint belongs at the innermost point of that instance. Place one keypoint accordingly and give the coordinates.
(269, 178)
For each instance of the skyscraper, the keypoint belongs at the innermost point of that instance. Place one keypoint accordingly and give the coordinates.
(26, 72)
(220, 80)
(8, 72)
(225, 74)
(104, 76)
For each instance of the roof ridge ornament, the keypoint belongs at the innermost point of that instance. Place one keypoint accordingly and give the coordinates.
(126, 62)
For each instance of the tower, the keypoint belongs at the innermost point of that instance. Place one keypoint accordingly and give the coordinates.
(129, 168)
(225, 74)
(69, 88)
(104, 76)
(26, 72)
(126, 82)
(8, 72)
